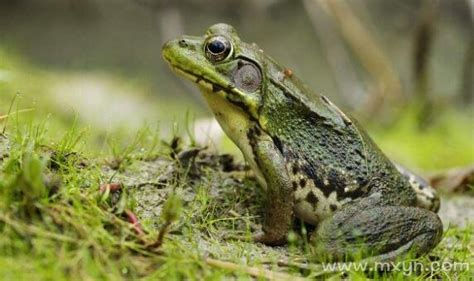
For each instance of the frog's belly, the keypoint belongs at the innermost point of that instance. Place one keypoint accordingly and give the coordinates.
(235, 124)
(312, 206)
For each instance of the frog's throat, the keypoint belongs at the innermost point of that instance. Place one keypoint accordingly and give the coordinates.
(230, 93)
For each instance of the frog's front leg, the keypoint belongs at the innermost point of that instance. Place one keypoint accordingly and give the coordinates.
(279, 203)
(368, 229)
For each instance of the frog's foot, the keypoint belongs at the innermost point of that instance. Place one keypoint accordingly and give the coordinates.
(379, 234)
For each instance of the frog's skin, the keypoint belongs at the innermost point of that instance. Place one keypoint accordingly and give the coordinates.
(315, 162)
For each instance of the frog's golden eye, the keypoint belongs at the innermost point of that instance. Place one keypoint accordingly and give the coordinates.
(217, 48)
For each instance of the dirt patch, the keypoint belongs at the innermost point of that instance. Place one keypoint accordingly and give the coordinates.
(150, 182)
(457, 210)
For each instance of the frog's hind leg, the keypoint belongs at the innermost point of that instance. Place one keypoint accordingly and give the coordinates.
(381, 233)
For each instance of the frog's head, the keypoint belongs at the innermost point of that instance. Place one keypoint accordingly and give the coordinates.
(221, 64)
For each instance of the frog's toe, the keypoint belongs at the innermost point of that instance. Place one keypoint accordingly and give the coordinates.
(382, 233)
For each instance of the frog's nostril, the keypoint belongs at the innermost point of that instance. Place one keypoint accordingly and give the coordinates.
(182, 43)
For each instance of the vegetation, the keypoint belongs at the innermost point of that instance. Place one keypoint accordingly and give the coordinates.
(83, 202)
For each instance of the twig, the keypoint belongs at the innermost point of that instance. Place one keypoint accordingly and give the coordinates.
(317, 270)
(152, 183)
(111, 187)
(251, 270)
(170, 213)
(453, 180)
(422, 48)
(16, 112)
(467, 85)
(366, 50)
(133, 220)
(155, 245)
(338, 58)
(8, 114)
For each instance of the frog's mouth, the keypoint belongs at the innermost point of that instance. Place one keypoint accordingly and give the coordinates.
(201, 80)
(229, 92)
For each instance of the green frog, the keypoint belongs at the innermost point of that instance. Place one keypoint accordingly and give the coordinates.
(314, 161)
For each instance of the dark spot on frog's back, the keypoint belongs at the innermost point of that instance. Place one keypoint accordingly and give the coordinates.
(311, 198)
(358, 151)
(337, 181)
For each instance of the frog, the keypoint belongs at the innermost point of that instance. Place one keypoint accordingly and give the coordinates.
(314, 162)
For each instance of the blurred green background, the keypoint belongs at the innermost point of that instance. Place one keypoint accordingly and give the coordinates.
(403, 68)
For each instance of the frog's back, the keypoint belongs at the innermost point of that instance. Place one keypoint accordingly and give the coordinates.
(330, 158)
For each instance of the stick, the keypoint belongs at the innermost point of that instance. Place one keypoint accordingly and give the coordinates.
(251, 270)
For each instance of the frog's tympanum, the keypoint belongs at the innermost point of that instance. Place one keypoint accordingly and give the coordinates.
(315, 162)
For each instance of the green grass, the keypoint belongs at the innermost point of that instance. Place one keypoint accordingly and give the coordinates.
(55, 223)
(448, 142)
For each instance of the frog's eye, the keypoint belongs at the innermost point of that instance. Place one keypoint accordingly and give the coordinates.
(217, 48)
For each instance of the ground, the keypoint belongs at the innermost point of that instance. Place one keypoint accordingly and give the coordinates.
(60, 219)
